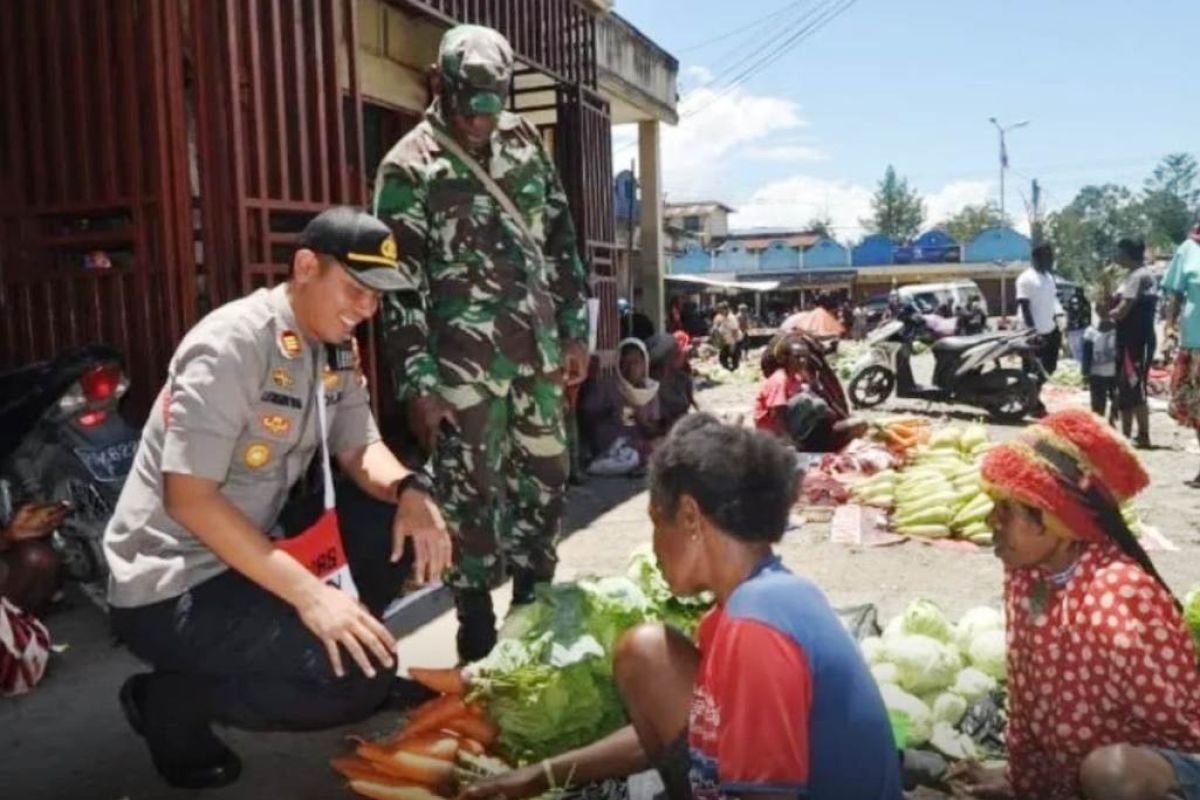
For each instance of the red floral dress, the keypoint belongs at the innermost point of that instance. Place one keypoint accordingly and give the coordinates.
(1104, 659)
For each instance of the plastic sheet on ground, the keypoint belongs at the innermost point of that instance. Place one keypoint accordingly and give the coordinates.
(863, 526)
(1155, 541)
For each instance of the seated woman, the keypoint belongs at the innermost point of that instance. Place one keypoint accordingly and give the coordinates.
(620, 420)
(30, 573)
(669, 367)
(775, 701)
(1103, 694)
(801, 399)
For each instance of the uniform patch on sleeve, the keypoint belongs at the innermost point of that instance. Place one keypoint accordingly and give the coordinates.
(257, 455)
(276, 424)
(282, 378)
(290, 344)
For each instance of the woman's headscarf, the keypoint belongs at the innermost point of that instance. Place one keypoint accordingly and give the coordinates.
(636, 396)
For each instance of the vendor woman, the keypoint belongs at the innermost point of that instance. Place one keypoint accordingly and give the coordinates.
(1103, 694)
(775, 701)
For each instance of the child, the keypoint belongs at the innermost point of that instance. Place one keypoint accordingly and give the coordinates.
(1099, 363)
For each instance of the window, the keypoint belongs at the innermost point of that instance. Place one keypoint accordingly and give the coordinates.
(691, 223)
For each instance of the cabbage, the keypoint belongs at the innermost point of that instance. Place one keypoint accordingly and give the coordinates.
(971, 684)
(885, 673)
(924, 664)
(894, 629)
(949, 707)
(975, 621)
(924, 618)
(952, 744)
(683, 613)
(872, 649)
(920, 718)
(1191, 613)
(987, 653)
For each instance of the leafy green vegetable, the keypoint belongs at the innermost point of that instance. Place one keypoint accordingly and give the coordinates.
(923, 617)
(1191, 613)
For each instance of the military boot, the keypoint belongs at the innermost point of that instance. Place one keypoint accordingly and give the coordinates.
(524, 581)
(476, 624)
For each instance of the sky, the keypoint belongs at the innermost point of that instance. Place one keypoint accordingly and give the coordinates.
(912, 83)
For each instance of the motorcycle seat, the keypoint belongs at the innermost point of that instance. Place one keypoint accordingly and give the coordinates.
(956, 344)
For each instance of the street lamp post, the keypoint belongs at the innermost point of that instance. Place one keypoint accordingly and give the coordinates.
(1003, 129)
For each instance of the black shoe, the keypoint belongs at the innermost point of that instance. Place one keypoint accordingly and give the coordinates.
(405, 693)
(476, 625)
(222, 768)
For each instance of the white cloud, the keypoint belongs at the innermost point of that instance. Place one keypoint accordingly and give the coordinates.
(792, 202)
(788, 153)
(951, 198)
(715, 128)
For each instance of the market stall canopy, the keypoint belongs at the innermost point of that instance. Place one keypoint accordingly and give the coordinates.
(815, 322)
(717, 285)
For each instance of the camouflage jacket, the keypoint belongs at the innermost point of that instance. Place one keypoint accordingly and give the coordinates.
(481, 303)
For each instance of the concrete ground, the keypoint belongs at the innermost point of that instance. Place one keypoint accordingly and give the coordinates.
(67, 739)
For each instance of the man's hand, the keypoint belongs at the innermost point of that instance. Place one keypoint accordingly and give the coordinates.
(981, 782)
(35, 521)
(340, 621)
(418, 518)
(575, 362)
(526, 782)
(425, 417)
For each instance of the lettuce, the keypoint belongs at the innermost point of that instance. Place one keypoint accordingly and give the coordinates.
(975, 621)
(987, 653)
(920, 718)
(971, 684)
(924, 618)
(948, 707)
(925, 665)
(1191, 613)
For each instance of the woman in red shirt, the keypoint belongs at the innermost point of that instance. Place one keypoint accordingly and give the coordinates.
(1104, 693)
(801, 399)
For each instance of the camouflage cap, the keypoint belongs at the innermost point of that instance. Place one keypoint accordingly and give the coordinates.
(477, 67)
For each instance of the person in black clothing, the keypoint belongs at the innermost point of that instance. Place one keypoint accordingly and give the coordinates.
(1134, 314)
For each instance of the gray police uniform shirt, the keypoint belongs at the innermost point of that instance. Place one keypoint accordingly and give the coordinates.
(238, 408)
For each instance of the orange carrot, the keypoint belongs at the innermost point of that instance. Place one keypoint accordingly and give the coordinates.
(481, 730)
(442, 681)
(355, 767)
(438, 746)
(420, 769)
(378, 790)
(449, 706)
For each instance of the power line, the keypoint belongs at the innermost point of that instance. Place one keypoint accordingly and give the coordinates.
(760, 21)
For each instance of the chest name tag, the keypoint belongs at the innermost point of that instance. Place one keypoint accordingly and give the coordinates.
(279, 399)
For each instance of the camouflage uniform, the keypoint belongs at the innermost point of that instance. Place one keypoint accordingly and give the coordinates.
(484, 322)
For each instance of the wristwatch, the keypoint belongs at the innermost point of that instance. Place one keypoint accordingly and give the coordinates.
(409, 481)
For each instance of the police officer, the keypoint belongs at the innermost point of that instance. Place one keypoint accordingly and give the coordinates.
(494, 323)
(243, 628)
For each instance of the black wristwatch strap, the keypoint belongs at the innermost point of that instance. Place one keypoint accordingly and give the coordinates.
(412, 479)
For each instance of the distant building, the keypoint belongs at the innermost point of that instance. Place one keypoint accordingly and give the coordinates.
(707, 221)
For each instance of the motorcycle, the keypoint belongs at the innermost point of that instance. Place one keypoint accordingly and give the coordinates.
(968, 370)
(63, 440)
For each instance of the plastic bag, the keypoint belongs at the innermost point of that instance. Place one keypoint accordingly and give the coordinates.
(24, 650)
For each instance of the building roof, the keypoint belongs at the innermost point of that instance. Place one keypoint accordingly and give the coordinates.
(759, 240)
(693, 209)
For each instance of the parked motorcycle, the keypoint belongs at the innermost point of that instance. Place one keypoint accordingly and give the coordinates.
(968, 370)
(63, 440)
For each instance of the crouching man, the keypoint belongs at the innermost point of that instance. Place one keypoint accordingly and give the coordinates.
(257, 610)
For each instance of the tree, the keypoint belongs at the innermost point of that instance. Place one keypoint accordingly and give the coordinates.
(1171, 199)
(1085, 231)
(821, 225)
(897, 210)
(971, 220)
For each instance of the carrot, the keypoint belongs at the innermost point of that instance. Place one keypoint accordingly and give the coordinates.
(390, 791)
(434, 745)
(355, 768)
(449, 706)
(481, 730)
(442, 681)
(420, 769)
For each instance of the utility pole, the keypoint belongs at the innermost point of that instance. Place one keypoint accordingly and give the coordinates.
(629, 252)
(1035, 213)
(1004, 152)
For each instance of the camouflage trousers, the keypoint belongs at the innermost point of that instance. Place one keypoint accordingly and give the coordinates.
(501, 481)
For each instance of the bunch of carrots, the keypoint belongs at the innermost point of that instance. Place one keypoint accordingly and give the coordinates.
(903, 435)
(417, 762)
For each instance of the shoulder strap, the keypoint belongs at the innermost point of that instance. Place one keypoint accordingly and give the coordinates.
(494, 189)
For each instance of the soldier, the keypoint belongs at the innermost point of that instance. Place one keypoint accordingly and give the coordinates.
(493, 326)
(243, 629)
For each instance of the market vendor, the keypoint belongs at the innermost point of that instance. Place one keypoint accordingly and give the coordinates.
(1103, 688)
(620, 419)
(243, 623)
(775, 700)
(802, 400)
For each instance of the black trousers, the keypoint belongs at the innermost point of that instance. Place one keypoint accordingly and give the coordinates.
(228, 651)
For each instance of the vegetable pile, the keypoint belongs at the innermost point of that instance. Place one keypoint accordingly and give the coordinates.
(1191, 614)
(546, 687)
(930, 672)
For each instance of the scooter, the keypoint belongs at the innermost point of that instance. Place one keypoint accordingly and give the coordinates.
(968, 370)
(63, 440)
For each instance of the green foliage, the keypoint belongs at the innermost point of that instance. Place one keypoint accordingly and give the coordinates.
(972, 220)
(897, 209)
(1171, 199)
(1085, 232)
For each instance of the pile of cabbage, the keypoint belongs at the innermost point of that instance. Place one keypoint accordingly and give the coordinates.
(1191, 613)
(930, 671)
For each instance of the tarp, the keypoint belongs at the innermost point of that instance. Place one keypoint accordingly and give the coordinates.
(717, 283)
(815, 322)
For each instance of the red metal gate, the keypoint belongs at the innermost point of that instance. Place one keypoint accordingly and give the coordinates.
(93, 170)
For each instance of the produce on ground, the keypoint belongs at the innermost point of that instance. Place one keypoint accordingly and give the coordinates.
(930, 671)
(1069, 374)
(1191, 613)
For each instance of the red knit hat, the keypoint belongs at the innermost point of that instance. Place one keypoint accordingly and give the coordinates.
(1053, 463)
